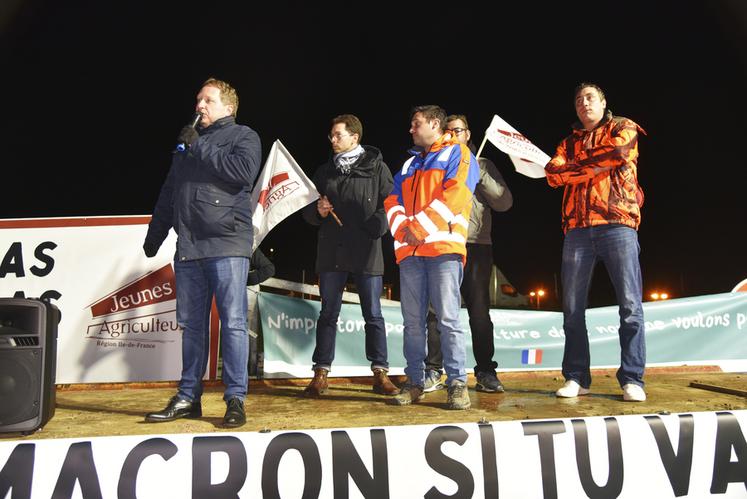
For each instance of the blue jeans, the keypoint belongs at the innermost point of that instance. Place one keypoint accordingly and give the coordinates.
(435, 280)
(196, 283)
(331, 287)
(617, 247)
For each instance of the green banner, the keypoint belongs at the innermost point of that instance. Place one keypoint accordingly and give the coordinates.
(702, 330)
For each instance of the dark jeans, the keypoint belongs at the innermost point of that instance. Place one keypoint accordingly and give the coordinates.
(331, 287)
(617, 247)
(434, 361)
(475, 291)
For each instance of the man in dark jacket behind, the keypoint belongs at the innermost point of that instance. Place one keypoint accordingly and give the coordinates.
(351, 220)
(206, 200)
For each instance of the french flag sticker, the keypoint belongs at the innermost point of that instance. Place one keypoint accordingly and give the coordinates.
(531, 356)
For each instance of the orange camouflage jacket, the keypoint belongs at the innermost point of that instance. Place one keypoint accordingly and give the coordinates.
(611, 196)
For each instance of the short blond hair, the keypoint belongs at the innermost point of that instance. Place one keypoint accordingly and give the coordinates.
(228, 95)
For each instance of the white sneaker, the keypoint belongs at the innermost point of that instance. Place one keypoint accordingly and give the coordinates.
(633, 393)
(571, 389)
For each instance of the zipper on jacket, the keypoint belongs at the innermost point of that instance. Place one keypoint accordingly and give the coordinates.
(414, 198)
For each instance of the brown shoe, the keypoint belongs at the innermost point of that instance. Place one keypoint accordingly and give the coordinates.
(382, 384)
(318, 385)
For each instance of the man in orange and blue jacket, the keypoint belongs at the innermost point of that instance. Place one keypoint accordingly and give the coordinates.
(598, 167)
(428, 214)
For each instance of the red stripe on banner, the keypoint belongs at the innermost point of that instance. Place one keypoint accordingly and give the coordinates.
(39, 223)
(538, 356)
(278, 178)
(275, 180)
(153, 287)
(214, 341)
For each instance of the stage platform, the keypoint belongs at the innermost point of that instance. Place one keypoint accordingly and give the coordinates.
(277, 405)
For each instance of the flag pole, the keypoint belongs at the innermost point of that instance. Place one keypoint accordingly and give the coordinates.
(482, 145)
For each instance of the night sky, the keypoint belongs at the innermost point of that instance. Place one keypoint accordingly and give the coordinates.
(94, 94)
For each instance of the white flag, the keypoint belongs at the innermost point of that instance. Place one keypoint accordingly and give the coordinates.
(281, 190)
(527, 158)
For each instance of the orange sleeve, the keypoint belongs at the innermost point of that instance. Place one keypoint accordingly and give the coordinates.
(395, 214)
(619, 148)
(559, 171)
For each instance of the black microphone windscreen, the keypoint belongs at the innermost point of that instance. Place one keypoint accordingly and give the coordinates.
(181, 147)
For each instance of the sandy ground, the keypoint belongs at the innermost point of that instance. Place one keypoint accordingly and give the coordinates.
(107, 410)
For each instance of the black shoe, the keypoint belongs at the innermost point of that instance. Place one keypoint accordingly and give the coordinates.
(488, 382)
(177, 408)
(235, 415)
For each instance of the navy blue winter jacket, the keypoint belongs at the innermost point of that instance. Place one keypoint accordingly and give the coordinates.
(206, 194)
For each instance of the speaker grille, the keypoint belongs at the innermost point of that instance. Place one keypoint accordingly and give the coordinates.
(26, 341)
(20, 385)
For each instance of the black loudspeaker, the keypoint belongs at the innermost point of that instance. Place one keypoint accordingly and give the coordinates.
(28, 360)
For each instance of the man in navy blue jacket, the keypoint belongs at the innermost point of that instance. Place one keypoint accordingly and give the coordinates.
(206, 200)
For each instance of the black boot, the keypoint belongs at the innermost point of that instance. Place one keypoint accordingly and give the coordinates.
(235, 415)
(177, 408)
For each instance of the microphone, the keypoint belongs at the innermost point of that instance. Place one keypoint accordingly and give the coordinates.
(181, 146)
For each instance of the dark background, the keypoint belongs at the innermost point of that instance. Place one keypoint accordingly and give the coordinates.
(94, 94)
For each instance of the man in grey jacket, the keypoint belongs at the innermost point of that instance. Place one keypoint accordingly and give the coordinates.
(206, 200)
(491, 193)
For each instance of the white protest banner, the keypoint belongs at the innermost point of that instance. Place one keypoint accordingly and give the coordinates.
(527, 158)
(631, 456)
(118, 307)
(282, 189)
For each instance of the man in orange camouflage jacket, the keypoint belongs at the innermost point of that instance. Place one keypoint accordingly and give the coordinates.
(428, 213)
(597, 166)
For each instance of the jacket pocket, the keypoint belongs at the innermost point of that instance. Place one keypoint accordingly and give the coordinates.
(214, 214)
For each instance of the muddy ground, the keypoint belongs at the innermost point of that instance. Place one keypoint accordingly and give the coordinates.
(106, 410)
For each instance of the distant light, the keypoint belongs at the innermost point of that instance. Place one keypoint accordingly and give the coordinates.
(659, 295)
(537, 295)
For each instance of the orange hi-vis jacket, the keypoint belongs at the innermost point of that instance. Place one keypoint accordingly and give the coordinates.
(612, 196)
(432, 195)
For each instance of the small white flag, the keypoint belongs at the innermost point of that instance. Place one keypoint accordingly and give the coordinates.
(281, 190)
(527, 158)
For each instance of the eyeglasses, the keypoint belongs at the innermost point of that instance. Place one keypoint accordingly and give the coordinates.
(457, 131)
(337, 136)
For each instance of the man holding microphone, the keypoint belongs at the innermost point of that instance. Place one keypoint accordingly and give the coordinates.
(206, 199)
